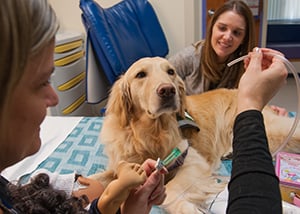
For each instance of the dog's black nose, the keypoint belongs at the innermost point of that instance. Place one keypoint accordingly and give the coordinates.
(166, 90)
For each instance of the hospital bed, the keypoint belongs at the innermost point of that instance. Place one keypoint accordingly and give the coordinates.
(72, 144)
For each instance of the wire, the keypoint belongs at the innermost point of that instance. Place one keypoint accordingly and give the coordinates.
(292, 69)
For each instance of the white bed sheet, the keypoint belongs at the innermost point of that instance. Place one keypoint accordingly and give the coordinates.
(54, 131)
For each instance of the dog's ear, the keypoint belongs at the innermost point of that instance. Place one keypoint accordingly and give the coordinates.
(182, 96)
(120, 102)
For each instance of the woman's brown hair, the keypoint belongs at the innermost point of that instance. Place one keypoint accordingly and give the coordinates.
(219, 75)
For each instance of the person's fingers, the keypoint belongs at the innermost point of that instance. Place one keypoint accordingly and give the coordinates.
(158, 199)
(158, 191)
(149, 166)
(268, 51)
(153, 180)
(153, 184)
(158, 194)
(246, 62)
(279, 71)
(160, 186)
(255, 60)
(164, 170)
(278, 66)
(255, 56)
(152, 192)
(268, 56)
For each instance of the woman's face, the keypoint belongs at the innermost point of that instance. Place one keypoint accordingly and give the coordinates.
(227, 34)
(28, 106)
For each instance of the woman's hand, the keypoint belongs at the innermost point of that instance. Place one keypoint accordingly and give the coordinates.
(263, 77)
(152, 192)
(268, 55)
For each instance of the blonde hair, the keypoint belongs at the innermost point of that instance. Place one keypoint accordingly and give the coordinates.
(221, 75)
(27, 26)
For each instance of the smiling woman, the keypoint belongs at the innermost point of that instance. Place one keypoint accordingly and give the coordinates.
(230, 34)
(26, 59)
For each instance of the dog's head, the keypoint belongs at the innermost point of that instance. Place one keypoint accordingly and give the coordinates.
(150, 87)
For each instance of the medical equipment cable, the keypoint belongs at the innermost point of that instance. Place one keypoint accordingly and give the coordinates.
(292, 69)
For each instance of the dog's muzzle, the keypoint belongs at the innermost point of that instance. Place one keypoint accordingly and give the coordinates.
(167, 95)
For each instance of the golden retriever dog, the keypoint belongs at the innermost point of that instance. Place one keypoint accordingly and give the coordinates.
(215, 111)
(140, 123)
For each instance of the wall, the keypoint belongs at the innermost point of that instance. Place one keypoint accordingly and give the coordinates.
(179, 18)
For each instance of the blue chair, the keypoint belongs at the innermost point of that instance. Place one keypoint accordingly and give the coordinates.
(118, 36)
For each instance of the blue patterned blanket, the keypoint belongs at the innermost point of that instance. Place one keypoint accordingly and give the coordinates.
(82, 152)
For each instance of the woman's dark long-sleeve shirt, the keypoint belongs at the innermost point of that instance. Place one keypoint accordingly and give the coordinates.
(254, 186)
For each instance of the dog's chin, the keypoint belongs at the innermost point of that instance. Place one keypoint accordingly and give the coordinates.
(154, 114)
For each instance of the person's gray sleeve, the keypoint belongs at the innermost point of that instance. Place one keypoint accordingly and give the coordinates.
(183, 61)
(187, 66)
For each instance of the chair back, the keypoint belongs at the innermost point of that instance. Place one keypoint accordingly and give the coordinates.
(121, 34)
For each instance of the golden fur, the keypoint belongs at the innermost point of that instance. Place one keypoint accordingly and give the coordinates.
(215, 111)
(141, 123)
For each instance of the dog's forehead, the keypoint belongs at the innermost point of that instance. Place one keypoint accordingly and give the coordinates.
(148, 64)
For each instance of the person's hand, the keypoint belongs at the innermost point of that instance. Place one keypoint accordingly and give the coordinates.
(263, 77)
(279, 110)
(268, 55)
(152, 192)
(158, 194)
(92, 188)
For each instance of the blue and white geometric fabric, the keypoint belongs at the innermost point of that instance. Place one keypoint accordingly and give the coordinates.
(81, 152)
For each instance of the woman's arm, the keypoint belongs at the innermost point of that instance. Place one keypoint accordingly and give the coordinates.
(185, 61)
(254, 186)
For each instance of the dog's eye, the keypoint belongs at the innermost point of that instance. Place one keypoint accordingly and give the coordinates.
(141, 74)
(171, 72)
